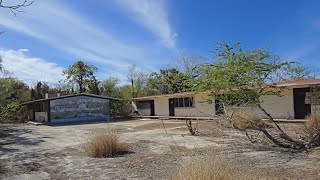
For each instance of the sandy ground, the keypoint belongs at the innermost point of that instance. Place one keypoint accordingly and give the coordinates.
(56, 152)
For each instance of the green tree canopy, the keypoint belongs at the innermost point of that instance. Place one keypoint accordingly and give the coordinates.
(172, 79)
(80, 73)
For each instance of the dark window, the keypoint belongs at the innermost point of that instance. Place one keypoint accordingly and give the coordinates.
(176, 102)
(183, 102)
(143, 104)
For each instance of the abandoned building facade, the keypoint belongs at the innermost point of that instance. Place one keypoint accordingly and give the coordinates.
(296, 102)
(70, 108)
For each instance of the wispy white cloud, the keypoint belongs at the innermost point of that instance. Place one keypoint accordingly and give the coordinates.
(73, 33)
(30, 69)
(151, 14)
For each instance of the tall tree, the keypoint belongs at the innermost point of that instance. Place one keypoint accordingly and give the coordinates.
(188, 63)
(295, 71)
(238, 77)
(172, 79)
(12, 93)
(110, 87)
(93, 86)
(139, 79)
(80, 73)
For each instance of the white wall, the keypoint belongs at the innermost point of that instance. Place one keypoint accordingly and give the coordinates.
(201, 108)
(279, 107)
(41, 116)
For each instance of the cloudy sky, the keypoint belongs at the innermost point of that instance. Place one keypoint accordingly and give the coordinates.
(51, 34)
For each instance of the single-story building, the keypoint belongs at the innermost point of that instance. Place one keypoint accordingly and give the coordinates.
(296, 102)
(70, 108)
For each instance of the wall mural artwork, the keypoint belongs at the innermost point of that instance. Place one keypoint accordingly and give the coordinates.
(79, 108)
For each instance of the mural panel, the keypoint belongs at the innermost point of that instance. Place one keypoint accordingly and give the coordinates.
(79, 108)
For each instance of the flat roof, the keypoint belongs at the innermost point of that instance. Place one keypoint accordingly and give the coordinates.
(73, 95)
(167, 95)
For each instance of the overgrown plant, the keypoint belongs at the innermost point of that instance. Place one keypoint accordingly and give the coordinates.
(105, 144)
(212, 168)
(12, 93)
(238, 78)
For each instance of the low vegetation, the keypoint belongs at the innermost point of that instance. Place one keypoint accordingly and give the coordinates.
(246, 119)
(105, 144)
(3, 167)
(214, 168)
(313, 123)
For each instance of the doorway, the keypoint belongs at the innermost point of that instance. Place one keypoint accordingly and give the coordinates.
(152, 113)
(171, 107)
(301, 109)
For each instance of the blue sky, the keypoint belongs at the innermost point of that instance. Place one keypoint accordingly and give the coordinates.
(52, 34)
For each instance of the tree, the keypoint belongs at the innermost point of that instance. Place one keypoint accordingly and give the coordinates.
(295, 71)
(242, 78)
(12, 93)
(93, 86)
(172, 79)
(110, 87)
(188, 64)
(1, 66)
(138, 79)
(80, 73)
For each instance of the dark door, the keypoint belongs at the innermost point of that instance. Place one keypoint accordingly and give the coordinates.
(152, 108)
(171, 107)
(301, 110)
(219, 107)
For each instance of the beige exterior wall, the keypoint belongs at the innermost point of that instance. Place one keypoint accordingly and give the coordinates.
(161, 106)
(200, 108)
(279, 107)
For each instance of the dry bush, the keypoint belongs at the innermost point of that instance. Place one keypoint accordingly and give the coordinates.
(246, 119)
(214, 168)
(178, 148)
(105, 144)
(3, 167)
(313, 123)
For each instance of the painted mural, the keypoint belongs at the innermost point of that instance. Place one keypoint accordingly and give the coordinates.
(79, 108)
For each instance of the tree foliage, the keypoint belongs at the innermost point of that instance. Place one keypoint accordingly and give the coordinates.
(238, 78)
(12, 93)
(80, 73)
(173, 80)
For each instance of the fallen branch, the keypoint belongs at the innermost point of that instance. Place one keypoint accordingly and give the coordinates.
(190, 128)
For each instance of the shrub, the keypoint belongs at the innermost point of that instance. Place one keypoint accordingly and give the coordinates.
(313, 123)
(246, 119)
(105, 144)
(214, 168)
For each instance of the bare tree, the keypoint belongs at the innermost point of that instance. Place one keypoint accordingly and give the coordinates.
(16, 8)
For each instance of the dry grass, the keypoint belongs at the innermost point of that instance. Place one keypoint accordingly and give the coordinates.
(214, 168)
(105, 144)
(246, 119)
(313, 123)
(3, 167)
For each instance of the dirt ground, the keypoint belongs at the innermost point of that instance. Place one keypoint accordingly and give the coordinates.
(56, 152)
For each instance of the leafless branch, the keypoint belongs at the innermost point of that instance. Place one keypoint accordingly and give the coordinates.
(16, 8)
